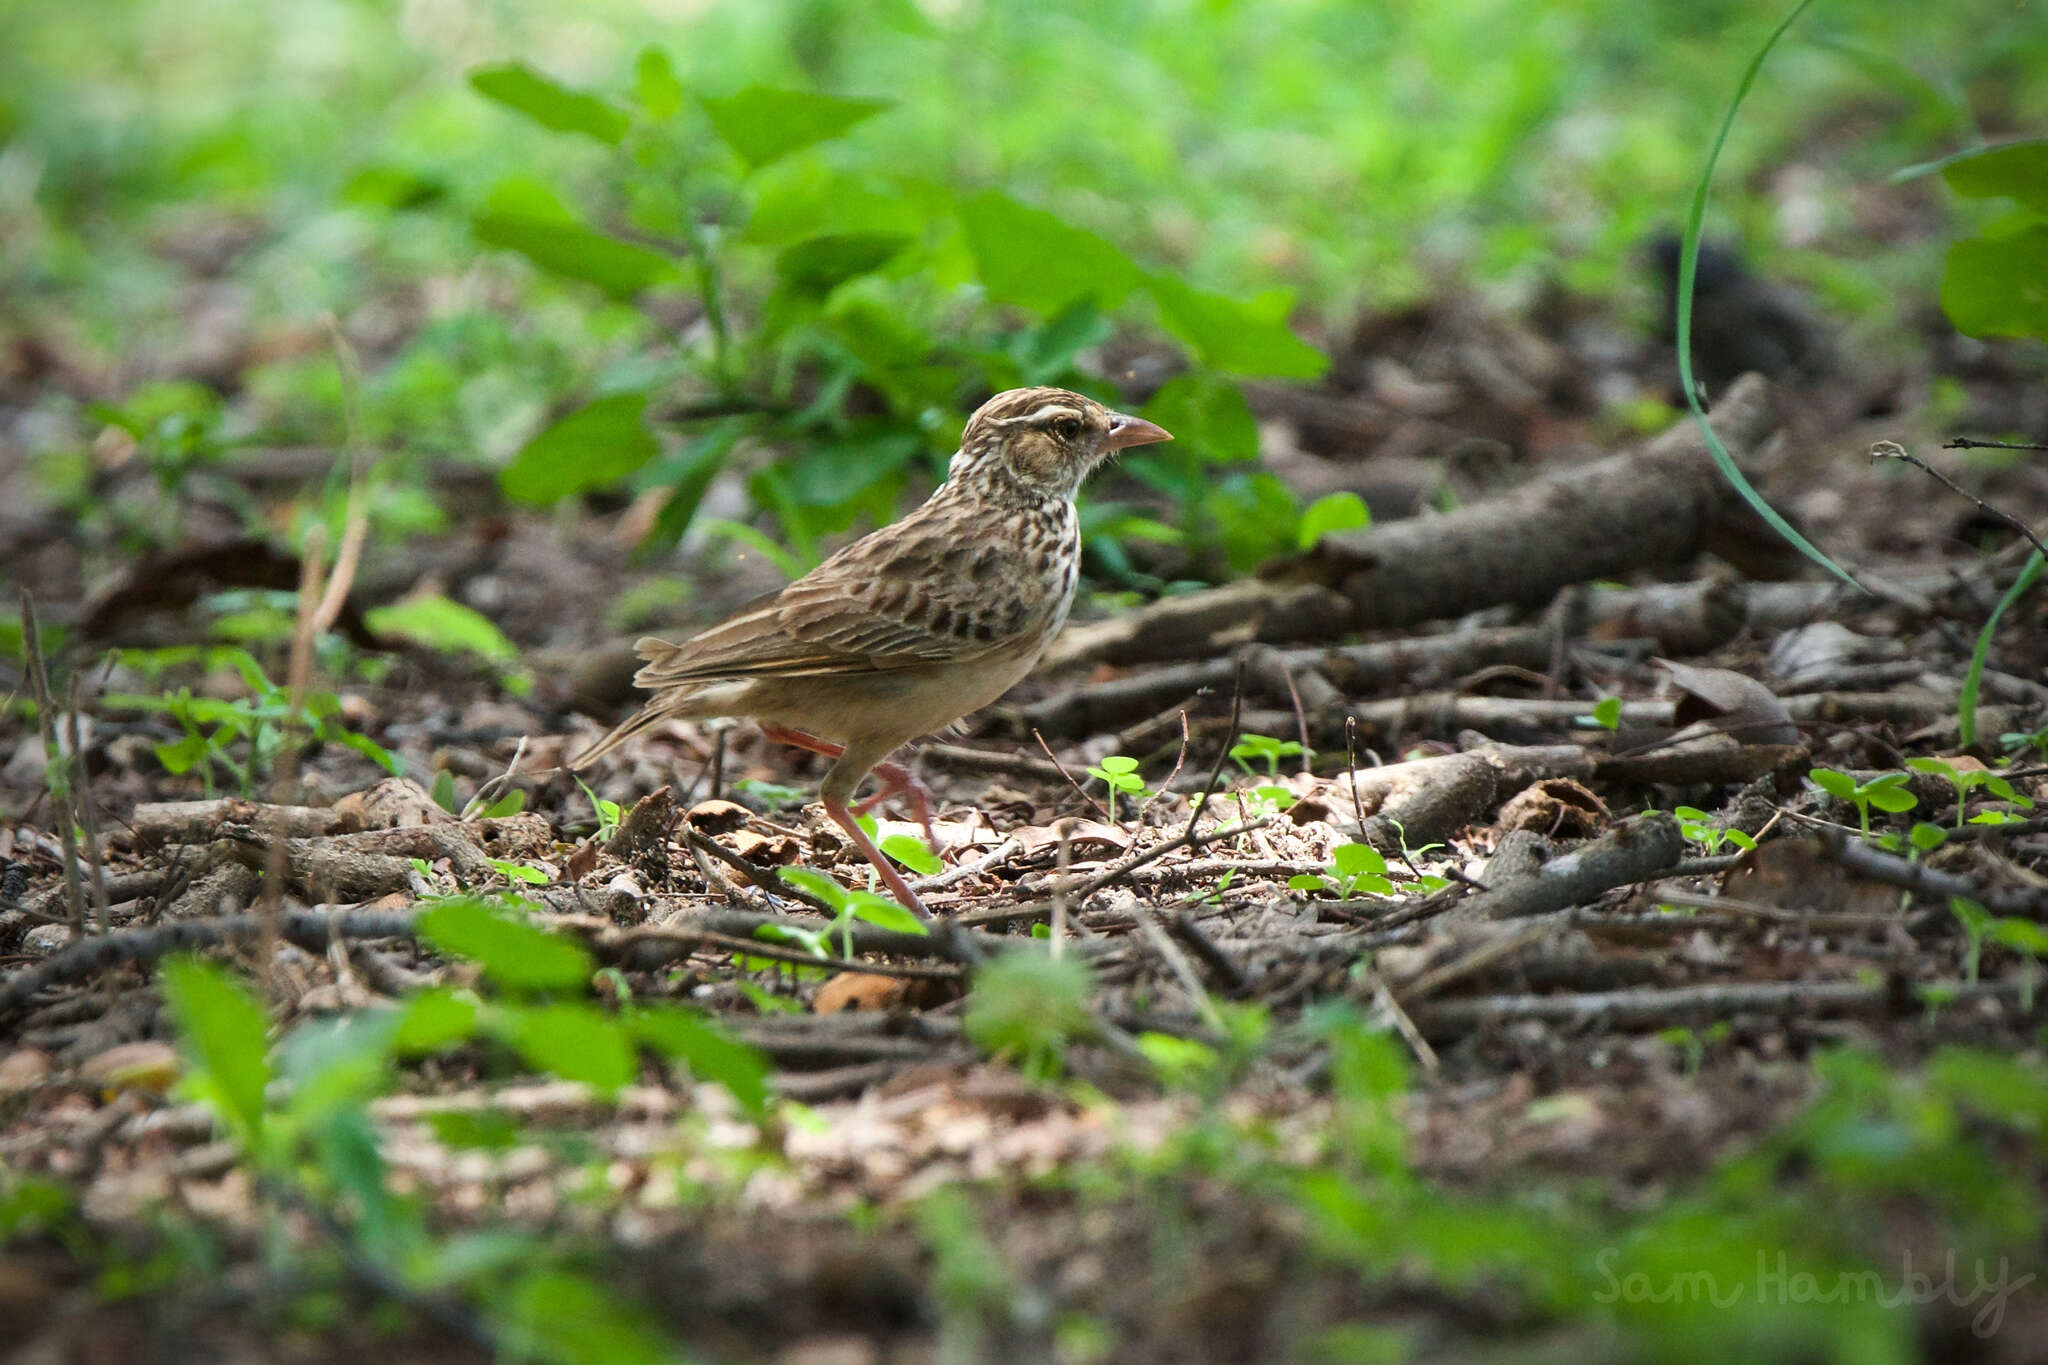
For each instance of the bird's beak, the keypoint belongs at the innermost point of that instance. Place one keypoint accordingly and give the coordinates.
(1126, 431)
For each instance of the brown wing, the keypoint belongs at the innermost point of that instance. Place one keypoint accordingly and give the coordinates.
(908, 595)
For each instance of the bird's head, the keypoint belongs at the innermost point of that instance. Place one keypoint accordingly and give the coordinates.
(1046, 440)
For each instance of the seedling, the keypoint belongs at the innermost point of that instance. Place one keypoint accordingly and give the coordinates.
(1697, 826)
(1120, 775)
(848, 906)
(1886, 792)
(1967, 780)
(1355, 869)
(1266, 749)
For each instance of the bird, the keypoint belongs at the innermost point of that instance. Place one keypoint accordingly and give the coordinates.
(913, 626)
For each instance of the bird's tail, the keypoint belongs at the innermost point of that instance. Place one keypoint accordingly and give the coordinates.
(646, 718)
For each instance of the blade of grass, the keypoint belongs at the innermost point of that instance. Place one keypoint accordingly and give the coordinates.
(1966, 707)
(1688, 264)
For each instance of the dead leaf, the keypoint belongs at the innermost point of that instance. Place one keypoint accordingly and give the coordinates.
(1721, 701)
(1558, 807)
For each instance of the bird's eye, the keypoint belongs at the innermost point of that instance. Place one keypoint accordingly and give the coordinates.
(1067, 428)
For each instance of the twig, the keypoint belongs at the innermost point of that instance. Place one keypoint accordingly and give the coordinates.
(56, 764)
(1967, 443)
(1892, 450)
(1184, 927)
(1108, 816)
(492, 787)
(961, 872)
(1229, 743)
(356, 520)
(1187, 837)
(623, 940)
(88, 817)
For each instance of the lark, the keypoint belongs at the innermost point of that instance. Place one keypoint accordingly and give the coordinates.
(910, 628)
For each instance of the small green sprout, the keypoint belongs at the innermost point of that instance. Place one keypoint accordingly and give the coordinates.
(1968, 780)
(1266, 749)
(1887, 792)
(1697, 826)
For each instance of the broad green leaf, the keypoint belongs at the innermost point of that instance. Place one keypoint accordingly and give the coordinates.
(333, 1062)
(180, 755)
(439, 623)
(391, 187)
(817, 883)
(1839, 785)
(909, 850)
(1358, 860)
(1028, 257)
(573, 1041)
(225, 1033)
(528, 218)
(1207, 415)
(655, 84)
(2013, 170)
(558, 1316)
(764, 124)
(1998, 286)
(1892, 799)
(816, 264)
(511, 803)
(433, 1019)
(489, 1130)
(1340, 511)
(515, 954)
(884, 913)
(1239, 337)
(552, 105)
(711, 1056)
(595, 446)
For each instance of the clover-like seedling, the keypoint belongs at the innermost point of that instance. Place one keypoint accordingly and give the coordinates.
(1697, 826)
(1967, 780)
(1265, 748)
(1120, 775)
(1887, 792)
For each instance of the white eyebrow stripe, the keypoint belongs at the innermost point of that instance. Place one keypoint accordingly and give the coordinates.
(1045, 412)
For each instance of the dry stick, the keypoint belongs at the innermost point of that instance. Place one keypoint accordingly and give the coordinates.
(1858, 857)
(491, 788)
(1177, 961)
(1108, 816)
(1892, 450)
(625, 939)
(1390, 1005)
(1187, 837)
(960, 872)
(88, 817)
(1184, 927)
(56, 764)
(1647, 1009)
(758, 877)
(1229, 743)
(1966, 443)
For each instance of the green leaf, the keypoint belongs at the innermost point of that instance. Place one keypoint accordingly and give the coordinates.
(433, 1019)
(558, 1316)
(2022, 934)
(1973, 677)
(764, 124)
(1248, 337)
(1932, 765)
(1118, 763)
(1926, 837)
(1030, 258)
(527, 218)
(391, 187)
(552, 105)
(224, 1031)
(910, 851)
(1998, 286)
(1839, 785)
(817, 883)
(180, 755)
(1340, 511)
(1607, 713)
(593, 447)
(511, 803)
(655, 84)
(1893, 799)
(817, 264)
(1358, 860)
(1208, 416)
(711, 1056)
(486, 1130)
(1307, 881)
(443, 624)
(1688, 269)
(444, 790)
(2012, 170)
(515, 954)
(883, 913)
(573, 1041)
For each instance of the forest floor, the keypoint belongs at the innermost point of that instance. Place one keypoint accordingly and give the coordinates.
(1378, 778)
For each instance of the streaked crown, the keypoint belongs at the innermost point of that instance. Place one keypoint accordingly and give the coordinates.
(1044, 440)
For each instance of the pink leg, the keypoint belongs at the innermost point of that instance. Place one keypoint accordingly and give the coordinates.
(897, 780)
(891, 878)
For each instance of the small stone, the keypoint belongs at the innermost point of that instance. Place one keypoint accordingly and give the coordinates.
(45, 939)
